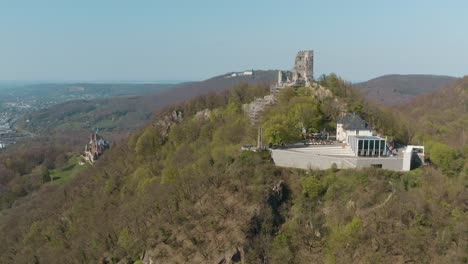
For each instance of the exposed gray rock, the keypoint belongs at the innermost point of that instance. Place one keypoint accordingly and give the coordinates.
(256, 107)
(165, 122)
(235, 255)
(320, 92)
(203, 114)
(277, 195)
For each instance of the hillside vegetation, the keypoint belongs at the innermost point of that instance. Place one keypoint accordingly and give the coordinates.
(126, 114)
(396, 89)
(442, 115)
(94, 90)
(181, 191)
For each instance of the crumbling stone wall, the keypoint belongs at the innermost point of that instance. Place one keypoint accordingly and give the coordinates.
(284, 77)
(304, 68)
(303, 74)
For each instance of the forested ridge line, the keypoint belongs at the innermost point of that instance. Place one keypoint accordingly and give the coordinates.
(180, 190)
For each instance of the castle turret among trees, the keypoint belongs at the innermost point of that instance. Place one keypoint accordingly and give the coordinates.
(95, 148)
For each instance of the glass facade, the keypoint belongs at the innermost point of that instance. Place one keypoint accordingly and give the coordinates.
(368, 146)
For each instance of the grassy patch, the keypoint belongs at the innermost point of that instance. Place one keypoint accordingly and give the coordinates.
(68, 171)
(69, 125)
(105, 123)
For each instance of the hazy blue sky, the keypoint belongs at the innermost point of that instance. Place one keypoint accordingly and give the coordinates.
(93, 40)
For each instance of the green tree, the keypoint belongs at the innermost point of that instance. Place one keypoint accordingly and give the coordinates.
(443, 156)
(311, 187)
(148, 142)
(285, 95)
(306, 115)
(280, 129)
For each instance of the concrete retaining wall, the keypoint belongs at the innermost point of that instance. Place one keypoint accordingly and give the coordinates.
(292, 159)
(389, 163)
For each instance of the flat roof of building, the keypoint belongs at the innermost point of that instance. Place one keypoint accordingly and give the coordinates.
(337, 150)
(368, 137)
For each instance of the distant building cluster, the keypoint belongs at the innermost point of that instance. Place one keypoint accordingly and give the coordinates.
(7, 135)
(244, 73)
(95, 148)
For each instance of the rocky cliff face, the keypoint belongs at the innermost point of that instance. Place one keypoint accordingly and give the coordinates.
(320, 92)
(165, 122)
(255, 108)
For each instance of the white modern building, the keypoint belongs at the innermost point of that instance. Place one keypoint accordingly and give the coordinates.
(351, 125)
(356, 148)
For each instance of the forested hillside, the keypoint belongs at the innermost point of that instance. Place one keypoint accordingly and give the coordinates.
(395, 89)
(126, 114)
(442, 115)
(180, 190)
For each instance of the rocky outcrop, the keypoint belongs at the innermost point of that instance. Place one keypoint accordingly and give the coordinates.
(278, 195)
(203, 114)
(255, 108)
(165, 122)
(233, 256)
(320, 92)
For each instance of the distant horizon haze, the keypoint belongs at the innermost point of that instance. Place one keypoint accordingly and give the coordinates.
(146, 41)
(33, 82)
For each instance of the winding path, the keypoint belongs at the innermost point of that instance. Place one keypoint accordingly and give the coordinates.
(386, 200)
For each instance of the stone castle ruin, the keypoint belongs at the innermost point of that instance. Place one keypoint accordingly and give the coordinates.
(301, 76)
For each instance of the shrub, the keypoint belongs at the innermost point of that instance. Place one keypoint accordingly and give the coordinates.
(311, 187)
(443, 156)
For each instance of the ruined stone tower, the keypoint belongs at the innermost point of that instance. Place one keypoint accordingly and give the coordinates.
(303, 74)
(284, 77)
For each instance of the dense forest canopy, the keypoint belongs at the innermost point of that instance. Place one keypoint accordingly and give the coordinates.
(440, 116)
(180, 190)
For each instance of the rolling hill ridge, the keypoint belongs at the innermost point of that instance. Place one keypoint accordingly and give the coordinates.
(396, 89)
(127, 113)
